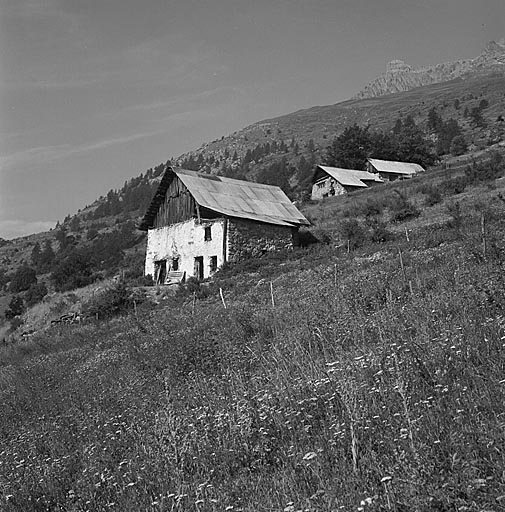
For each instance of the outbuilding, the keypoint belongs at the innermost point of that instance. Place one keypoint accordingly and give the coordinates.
(334, 181)
(390, 170)
(196, 222)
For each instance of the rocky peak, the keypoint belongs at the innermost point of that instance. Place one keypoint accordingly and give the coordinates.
(402, 77)
(396, 66)
(494, 52)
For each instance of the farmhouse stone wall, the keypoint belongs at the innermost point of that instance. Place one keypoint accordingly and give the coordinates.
(326, 188)
(249, 239)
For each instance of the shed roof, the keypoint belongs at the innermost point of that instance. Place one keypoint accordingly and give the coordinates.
(396, 167)
(350, 177)
(230, 197)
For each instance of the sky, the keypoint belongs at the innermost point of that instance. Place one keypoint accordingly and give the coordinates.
(95, 92)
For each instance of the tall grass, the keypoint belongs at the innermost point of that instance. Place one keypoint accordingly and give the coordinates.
(365, 384)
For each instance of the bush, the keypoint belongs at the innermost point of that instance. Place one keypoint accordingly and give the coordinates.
(401, 208)
(22, 279)
(74, 271)
(322, 236)
(193, 287)
(353, 233)
(378, 230)
(35, 293)
(16, 307)
(433, 196)
(486, 171)
(112, 302)
(16, 322)
(373, 207)
(456, 213)
(454, 186)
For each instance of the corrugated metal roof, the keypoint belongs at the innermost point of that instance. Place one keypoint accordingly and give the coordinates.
(230, 197)
(350, 177)
(396, 167)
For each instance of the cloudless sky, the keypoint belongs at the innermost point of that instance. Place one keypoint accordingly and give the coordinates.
(94, 92)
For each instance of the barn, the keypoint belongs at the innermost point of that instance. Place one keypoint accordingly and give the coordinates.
(390, 170)
(196, 222)
(333, 181)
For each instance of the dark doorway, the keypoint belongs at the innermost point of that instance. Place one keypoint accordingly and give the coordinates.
(213, 264)
(199, 267)
(160, 271)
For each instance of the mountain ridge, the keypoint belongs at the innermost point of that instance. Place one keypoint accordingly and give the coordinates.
(400, 77)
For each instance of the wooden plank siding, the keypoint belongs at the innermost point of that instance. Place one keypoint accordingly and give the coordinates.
(178, 205)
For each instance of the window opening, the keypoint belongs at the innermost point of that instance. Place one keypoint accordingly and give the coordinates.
(213, 263)
(208, 233)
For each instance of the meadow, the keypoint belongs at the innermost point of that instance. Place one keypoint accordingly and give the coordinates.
(361, 376)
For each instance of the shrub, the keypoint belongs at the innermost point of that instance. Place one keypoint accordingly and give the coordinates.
(322, 236)
(456, 213)
(433, 196)
(193, 287)
(112, 302)
(353, 233)
(454, 186)
(22, 279)
(16, 307)
(486, 171)
(35, 293)
(378, 230)
(373, 207)
(16, 322)
(73, 271)
(401, 208)
(306, 238)
(458, 145)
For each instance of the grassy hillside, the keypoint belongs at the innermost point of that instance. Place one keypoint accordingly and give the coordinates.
(279, 151)
(313, 129)
(364, 374)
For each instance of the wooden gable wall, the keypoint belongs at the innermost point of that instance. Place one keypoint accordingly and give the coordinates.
(179, 205)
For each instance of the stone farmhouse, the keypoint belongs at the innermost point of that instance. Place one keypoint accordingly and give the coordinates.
(333, 181)
(196, 222)
(391, 171)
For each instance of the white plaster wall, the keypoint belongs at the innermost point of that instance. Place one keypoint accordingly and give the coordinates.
(186, 241)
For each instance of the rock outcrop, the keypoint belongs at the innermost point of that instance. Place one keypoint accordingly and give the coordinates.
(402, 77)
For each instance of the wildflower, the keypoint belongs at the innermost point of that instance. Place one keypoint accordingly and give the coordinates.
(309, 456)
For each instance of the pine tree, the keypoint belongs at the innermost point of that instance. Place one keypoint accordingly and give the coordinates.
(36, 253)
(435, 121)
(350, 149)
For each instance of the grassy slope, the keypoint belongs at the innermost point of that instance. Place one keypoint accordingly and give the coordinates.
(326, 373)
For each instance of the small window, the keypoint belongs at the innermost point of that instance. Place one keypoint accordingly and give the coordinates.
(208, 233)
(175, 263)
(213, 263)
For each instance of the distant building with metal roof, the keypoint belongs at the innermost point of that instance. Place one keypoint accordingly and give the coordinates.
(334, 181)
(196, 222)
(390, 170)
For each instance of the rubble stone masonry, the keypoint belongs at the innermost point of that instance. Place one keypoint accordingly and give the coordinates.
(249, 239)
